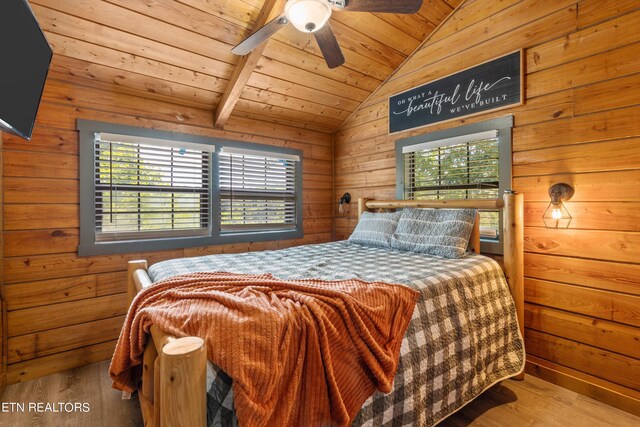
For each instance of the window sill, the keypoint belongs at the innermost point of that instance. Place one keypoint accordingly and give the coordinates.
(173, 243)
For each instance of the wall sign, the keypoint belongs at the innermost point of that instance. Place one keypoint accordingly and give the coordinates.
(490, 86)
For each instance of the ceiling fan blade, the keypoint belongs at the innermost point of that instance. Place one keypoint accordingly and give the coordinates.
(329, 46)
(383, 6)
(260, 36)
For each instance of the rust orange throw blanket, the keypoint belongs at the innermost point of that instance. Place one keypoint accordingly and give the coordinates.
(304, 352)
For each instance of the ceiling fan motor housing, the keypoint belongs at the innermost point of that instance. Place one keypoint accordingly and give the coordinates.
(308, 15)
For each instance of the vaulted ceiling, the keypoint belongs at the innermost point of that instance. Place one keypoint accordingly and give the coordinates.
(181, 50)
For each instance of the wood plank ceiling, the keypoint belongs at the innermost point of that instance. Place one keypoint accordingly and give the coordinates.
(181, 50)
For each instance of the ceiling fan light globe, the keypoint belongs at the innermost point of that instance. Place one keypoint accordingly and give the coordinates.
(308, 16)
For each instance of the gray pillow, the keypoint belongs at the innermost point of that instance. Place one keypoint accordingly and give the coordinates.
(440, 232)
(375, 229)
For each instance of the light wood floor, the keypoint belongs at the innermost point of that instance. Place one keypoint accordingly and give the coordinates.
(532, 402)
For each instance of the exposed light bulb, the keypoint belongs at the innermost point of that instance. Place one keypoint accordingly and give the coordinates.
(556, 215)
(308, 16)
(340, 208)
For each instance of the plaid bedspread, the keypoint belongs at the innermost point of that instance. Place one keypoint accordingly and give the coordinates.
(463, 336)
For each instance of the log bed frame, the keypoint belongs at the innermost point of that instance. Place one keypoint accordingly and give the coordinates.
(173, 385)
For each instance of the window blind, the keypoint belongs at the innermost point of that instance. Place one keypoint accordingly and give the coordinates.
(149, 188)
(456, 140)
(459, 168)
(257, 190)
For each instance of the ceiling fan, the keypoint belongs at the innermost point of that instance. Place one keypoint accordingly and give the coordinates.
(312, 16)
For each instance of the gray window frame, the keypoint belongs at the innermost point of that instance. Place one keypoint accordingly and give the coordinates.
(504, 126)
(88, 245)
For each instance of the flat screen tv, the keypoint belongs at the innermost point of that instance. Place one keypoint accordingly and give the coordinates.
(25, 56)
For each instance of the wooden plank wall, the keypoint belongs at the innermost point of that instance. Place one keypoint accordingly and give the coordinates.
(581, 125)
(64, 310)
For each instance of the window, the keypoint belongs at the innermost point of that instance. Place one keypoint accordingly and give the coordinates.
(257, 190)
(147, 188)
(142, 189)
(469, 162)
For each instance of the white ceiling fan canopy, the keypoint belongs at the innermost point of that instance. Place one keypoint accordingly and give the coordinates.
(308, 15)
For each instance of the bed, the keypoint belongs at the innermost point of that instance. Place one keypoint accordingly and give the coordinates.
(465, 334)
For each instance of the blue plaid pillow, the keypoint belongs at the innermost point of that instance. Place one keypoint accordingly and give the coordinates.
(375, 229)
(440, 232)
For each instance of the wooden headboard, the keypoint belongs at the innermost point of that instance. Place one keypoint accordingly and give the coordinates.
(512, 229)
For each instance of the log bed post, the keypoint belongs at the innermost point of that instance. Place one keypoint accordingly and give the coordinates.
(362, 206)
(183, 376)
(173, 389)
(513, 230)
(138, 264)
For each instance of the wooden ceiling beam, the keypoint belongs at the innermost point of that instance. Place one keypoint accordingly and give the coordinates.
(245, 66)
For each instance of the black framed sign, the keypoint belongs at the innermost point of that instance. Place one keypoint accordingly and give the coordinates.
(490, 86)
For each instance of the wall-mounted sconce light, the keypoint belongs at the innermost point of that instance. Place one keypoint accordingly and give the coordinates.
(346, 198)
(557, 215)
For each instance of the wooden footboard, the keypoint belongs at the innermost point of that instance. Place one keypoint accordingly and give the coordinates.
(173, 388)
